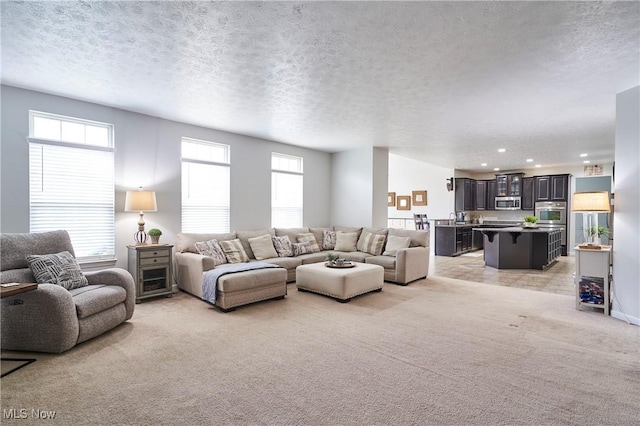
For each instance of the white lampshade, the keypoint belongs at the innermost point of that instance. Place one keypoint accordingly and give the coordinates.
(140, 201)
(590, 202)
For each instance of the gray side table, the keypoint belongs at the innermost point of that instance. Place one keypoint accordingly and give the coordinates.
(151, 266)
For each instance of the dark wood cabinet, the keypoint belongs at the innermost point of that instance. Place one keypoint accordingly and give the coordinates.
(551, 188)
(454, 240)
(465, 194)
(509, 185)
(559, 187)
(542, 185)
(514, 185)
(528, 194)
(491, 194)
(481, 195)
(501, 186)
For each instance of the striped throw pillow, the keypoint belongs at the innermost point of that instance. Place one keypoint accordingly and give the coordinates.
(373, 244)
(234, 251)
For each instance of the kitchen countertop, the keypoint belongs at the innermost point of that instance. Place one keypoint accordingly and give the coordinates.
(514, 229)
(446, 223)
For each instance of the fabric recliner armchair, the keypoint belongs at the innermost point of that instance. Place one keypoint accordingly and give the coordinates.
(52, 318)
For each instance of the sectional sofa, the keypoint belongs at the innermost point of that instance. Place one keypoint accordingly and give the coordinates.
(407, 262)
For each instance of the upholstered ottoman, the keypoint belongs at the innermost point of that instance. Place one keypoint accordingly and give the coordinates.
(340, 283)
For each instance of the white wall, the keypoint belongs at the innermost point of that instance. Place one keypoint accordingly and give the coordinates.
(407, 175)
(147, 153)
(359, 187)
(626, 246)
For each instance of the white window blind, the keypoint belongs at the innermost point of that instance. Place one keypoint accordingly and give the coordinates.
(286, 191)
(71, 183)
(206, 184)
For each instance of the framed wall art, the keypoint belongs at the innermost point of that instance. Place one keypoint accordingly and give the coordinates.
(391, 199)
(403, 202)
(419, 198)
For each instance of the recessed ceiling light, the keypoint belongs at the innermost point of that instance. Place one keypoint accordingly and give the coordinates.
(529, 160)
(586, 161)
(483, 165)
(502, 150)
(584, 154)
(538, 165)
(495, 169)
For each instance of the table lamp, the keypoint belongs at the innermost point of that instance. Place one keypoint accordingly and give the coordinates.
(590, 203)
(140, 201)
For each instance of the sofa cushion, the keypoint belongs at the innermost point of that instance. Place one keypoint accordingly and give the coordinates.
(185, 242)
(286, 262)
(92, 299)
(292, 233)
(244, 236)
(262, 247)
(373, 243)
(387, 262)
(234, 251)
(313, 258)
(418, 238)
(311, 239)
(60, 268)
(395, 243)
(319, 233)
(354, 256)
(283, 246)
(346, 241)
(328, 240)
(348, 229)
(212, 249)
(365, 233)
(301, 248)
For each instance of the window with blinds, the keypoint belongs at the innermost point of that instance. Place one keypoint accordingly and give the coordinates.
(286, 191)
(206, 186)
(71, 182)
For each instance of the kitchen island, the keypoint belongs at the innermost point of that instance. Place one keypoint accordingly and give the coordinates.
(521, 248)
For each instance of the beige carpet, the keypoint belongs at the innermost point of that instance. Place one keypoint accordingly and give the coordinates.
(439, 351)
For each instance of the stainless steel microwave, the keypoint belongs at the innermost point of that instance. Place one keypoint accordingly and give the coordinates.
(508, 203)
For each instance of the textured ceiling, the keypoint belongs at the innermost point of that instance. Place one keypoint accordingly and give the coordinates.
(444, 82)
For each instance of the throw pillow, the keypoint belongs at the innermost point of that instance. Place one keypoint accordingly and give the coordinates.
(328, 240)
(311, 239)
(262, 247)
(373, 244)
(61, 269)
(233, 251)
(283, 246)
(211, 248)
(346, 241)
(301, 248)
(366, 232)
(395, 243)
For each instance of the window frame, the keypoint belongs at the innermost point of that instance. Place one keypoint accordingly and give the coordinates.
(225, 163)
(86, 260)
(288, 171)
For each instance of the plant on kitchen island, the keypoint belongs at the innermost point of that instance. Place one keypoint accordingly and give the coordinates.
(530, 219)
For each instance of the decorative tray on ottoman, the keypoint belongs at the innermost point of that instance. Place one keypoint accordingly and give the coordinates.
(332, 264)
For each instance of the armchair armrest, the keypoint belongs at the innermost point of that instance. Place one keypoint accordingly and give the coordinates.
(42, 320)
(411, 264)
(119, 277)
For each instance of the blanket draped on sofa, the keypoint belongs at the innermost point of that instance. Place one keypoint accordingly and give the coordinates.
(210, 282)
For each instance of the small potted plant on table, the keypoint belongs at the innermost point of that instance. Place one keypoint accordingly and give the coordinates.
(595, 233)
(530, 221)
(155, 235)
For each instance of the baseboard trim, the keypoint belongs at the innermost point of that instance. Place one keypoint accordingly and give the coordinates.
(624, 317)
